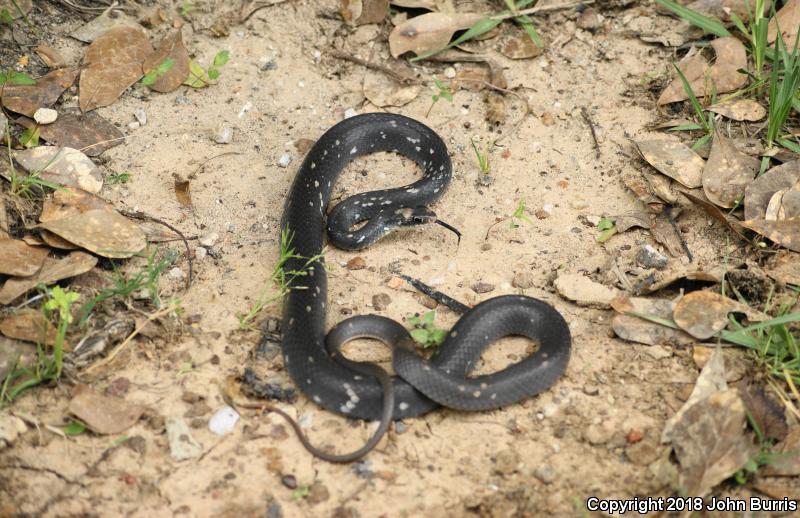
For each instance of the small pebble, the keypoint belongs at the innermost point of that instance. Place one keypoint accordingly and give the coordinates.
(545, 473)
(140, 115)
(209, 240)
(363, 469)
(482, 287)
(381, 301)
(223, 421)
(450, 72)
(317, 493)
(306, 420)
(200, 253)
(649, 257)
(45, 116)
(356, 263)
(289, 481)
(350, 112)
(523, 280)
(224, 135)
(400, 427)
(269, 65)
(176, 273)
(285, 160)
(133, 125)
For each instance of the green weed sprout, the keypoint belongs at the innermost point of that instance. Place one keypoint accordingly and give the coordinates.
(424, 332)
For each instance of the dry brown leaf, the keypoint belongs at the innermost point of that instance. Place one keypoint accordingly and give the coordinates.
(664, 232)
(183, 192)
(635, 329)
(661, 280)
(760, 190)
(712, 210)
(785, 267)
(740, 110)
(383, 91)
(92, 30)
(20, 259)
(53, 241)
(786, 462)
(63, 166)
(105, 233)
(103, 414)
(171, 47)
(445, 6)
(29, 325)
(674, 159)
(788, 19)
(68, 202)
(711, 443)
(728, 172)
(360, 12)
(721, 77)
(87, 132)
(766, 413)
(429, 32)
(785, 232)
(632, 219)
(26, 99)
(703, 314)
(52, 270)
(51, 57)
(517, 44)
(113, 62)
(640, 188)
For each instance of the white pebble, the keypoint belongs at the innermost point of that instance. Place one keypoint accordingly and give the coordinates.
(209, 240)
(133, 125)
(45, 116)
(284, 160)
(200, 253)
(450, 72)
(223, 421)
(224, 135)
(140, 115)
(350, 112)
(176, 273)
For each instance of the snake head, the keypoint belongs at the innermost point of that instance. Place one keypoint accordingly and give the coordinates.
(420, 215)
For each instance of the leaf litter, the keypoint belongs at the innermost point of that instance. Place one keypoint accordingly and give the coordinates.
(62, 166)
(88, 132)
(53, 270)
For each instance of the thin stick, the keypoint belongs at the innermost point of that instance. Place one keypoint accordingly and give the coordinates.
(147, 217)
(588, 120)
(400, 78)
(116, 350)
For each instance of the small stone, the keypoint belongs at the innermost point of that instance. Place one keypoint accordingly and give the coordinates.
(191, 397)
(269, 65)
(136, 443)
(119, 387)
(545, 473)
(591, 390)
(541, 214)
(449, 72)
(400, 427)
(644, 452)
(274, 510)
(306, 420)
(590, 20)
(223, 421)
(523, 280)
(289, 481)
(363, 469)
(597, 434)
(486, 247)
(45, 116)
(356, 263)
(550, 409)
(209, 240)
(176, 273)
(350, 112)
(284, 160)
(317, 493)
(381, 301)
(649, 257)
(506, 462)
(547, 119)
(10, 428)
(224, 135)
(482, 287)
(634, 436)
(182, 99)
(182, 445)
(394, 283)
(200, 253)
(133, 125)
(140, 115)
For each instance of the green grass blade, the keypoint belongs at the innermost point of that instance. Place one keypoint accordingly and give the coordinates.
(707, 23)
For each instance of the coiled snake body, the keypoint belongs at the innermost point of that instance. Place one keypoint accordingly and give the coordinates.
(342, 386)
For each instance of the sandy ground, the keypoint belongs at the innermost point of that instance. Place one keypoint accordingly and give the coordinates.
(545, 455)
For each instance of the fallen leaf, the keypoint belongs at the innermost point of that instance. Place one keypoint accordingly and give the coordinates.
(674, 159)
(431, 5)
(759, 191)
(171, 47)
(70, 201)
(694, 68)
(29, 325)
(712, 210)
(112, 63)
(182, 192)
(785, 267)
(740, 110)
(20, 259)
(87, 132)
(640, 188)
(665, 233)
(786, 459)
(632, 219)
(108, 234)
(428, 32)
(495, 108)
(52, 270)
(103, 414)
(584, 291)
(710, 442)
(51, 57)
(53, 241)
(785, 232)
(26, 99)
(727, 172)
(383, 91)
(107, 21)
(764, 411)
(62, 166)
(710, 381)
(660, 280)
(360, 12)
(788, 19)
(703, 314)
(636, 329)
(517, 44)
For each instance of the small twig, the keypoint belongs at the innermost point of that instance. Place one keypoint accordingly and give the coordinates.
(147, 217)
(83, 149)
(116, 350)
(400, 78)
(588, 120)
(194, 174)
(256, 6)
(539, 9)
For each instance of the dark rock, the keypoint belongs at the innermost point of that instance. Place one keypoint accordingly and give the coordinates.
(381, 301)
(649, 257)
(482, 287)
